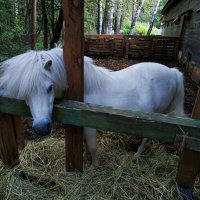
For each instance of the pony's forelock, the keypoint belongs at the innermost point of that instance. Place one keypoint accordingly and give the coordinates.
(25, 72)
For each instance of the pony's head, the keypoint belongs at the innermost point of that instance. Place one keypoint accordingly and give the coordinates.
(38, 77)
(40, 100)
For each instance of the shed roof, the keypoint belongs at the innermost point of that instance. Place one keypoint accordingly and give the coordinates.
(168, 5)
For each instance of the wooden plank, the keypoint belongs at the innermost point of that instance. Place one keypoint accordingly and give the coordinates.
(8, 146)
(188, 168)
(119, 46)
(107, 45)
(73, 57)
(19, 131)
(190, 143)
(189, 164)
(106, 118)
(196, 110)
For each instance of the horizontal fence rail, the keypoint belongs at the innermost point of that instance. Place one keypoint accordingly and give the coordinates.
(129, 46)
(152, 125)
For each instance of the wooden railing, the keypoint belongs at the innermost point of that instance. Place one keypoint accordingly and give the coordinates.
(128, 46)
(182, 131)
(133, 123)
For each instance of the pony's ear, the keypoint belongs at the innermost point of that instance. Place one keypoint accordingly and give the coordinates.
(47, 65)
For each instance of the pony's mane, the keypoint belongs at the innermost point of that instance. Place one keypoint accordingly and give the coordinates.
(22, 73)
(95, 76)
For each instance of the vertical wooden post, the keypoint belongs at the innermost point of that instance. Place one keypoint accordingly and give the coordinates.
(73, 56)
(19, 131)
(189, 163)
(8, 145)
(126, 49)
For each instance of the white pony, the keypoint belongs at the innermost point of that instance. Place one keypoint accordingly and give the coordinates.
(39, 77)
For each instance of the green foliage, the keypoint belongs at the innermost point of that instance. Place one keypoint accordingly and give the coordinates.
(89, 22)
(140, 28)
(12, 42)
(15, 20)
(146, 14)
(12, 39)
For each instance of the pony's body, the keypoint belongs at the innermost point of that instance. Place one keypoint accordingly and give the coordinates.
(147, 87)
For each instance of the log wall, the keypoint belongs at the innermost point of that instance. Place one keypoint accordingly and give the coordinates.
(148, 47)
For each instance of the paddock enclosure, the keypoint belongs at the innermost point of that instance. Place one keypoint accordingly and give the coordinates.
(41, 171)
(40, 174)
(128, 46)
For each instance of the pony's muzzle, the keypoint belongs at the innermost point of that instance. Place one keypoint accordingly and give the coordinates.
(42, 127)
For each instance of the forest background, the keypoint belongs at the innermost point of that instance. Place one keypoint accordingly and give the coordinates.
(37, 24)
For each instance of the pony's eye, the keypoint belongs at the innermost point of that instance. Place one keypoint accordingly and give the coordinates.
(50, 88)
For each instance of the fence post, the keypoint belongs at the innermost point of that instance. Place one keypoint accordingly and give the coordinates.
(126, 49)
(189, 163)
(73, 57)
(8, 145)
(19, 131)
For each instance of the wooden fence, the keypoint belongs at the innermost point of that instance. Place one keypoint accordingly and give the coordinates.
(182, 131)
(133, 123)
(148, 47)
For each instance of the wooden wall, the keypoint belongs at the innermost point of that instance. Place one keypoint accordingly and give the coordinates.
(188, 30)
(128, 46)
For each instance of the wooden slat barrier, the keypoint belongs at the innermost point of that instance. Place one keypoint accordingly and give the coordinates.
(11, 138)
(148, 125)
(106, 118)
(129, 46)
(189, 164)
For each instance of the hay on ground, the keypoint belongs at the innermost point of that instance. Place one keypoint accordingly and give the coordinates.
(41, 174)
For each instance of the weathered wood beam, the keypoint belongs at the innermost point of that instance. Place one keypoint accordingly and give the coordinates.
(189, 164)
(8, 146)
(152, 125)
(73, 57)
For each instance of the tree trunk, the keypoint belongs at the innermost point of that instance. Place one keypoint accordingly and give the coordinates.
(27, 21)
(153, 16)
(108, 17)
(118, 18)
(136, 15)
(34, 23)
(134, 8)
(16, 11)
(45, 24)
(100, 16)
(56, 31)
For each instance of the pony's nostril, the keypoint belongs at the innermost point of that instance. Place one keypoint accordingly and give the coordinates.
(42, 127)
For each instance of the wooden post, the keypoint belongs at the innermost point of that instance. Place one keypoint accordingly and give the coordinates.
(126, 49)
(73, 56)
(19, 131)
(8, 145)
(189, 163)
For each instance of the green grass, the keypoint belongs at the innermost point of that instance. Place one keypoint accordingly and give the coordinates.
(141, 28)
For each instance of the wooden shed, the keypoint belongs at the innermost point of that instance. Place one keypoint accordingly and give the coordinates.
(181, 18)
